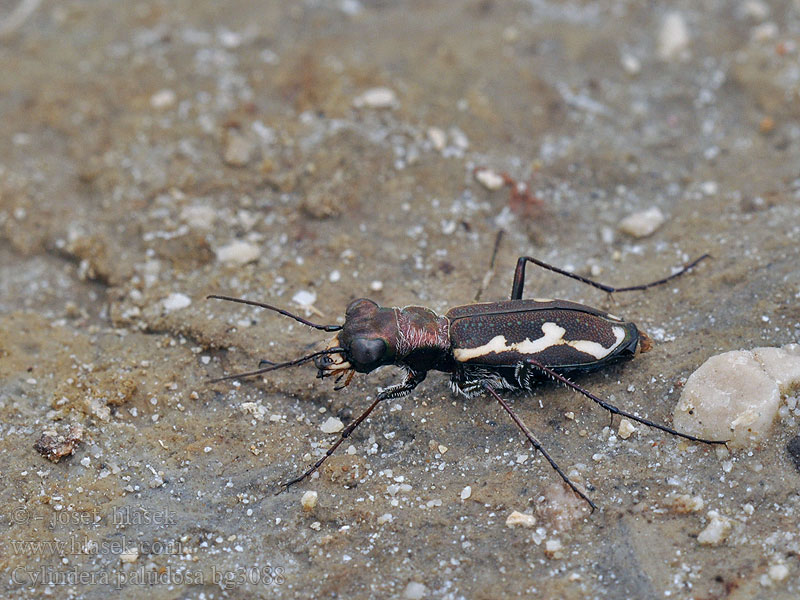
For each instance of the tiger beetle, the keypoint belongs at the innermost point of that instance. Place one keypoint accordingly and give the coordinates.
(485, 347)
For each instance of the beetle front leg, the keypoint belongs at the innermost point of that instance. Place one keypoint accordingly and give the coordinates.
(412, 380)
(519, 277)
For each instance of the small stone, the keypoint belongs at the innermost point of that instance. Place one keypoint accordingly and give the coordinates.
(466, 493)
(778, 572)
(176, 301)
(554, 549)
(55, 447)
(718, 529)
(238, 150)
(625, 429)
(379, 97)
(238, 252)
(415, 591)
(309, 500)
(518, 519)
(385, 518)
(316, 526)
(129, 555)
(736, 395)
(304, 298)
(163, 99)
(673, 38)
(437, 138)
(332, 425)
(199, 217)
(376, 286)
(489, 179)
(643, 223)
(684, 503)
(631, 64)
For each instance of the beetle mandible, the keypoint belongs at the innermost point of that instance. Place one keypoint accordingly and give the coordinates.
(485, 347)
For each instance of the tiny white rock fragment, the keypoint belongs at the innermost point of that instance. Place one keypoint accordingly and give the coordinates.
(316, 526)
(736, 395)
(176, 301)
(438, 138)
(129, 555)
(238, 150)
(778, 572)
(673, 38)
(199, 216)
(489, 179)
(718, 529)
(553, 549)
(379, 97)
(642, 223)
(625, 429)
(518, 519)
(238, 252)
(385, 518)
(304, 298)
(466, 492)
(415, 591)
(309, 500)
(631, 64)
(163, 99)
(376, 286)
(332, 425)
(684, 503)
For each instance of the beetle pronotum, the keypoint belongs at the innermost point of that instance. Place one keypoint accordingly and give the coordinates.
(485, 347)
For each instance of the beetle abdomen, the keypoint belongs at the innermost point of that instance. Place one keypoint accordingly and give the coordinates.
(559, 334)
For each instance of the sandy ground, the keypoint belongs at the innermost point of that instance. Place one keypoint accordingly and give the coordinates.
(156, 152)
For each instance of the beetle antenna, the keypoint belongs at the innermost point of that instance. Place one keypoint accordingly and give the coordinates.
(286, 313)
(275, 366)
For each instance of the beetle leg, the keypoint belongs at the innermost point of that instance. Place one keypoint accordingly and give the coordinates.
(395, 391)
(519, 277)
(490, 272)
(613, 409)
(537, 445)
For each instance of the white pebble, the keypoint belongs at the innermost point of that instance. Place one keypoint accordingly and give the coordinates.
(778, 572)
(643, 223)
(304, 298)
(199, 216)
(736, 395)
(518, 519)
(415, 591)
(238, 252)
(334, 276)
(176, 301)
(385, 518)
(466, 492)
(673, 39)
(309, 500)
(376, 286)
(437, 137)
(129, 555)
(238, 150)
(489, 179)
(553, 549)
(163, 99)
(631, 64)
(625, 429)
(379, 97)
(332, 425)
(718, 529)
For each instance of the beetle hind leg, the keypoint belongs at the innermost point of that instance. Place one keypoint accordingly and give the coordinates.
(537, 445)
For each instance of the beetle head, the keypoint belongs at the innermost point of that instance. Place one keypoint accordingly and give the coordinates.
(368, 340)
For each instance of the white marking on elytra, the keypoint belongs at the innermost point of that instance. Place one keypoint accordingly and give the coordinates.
(553, 336)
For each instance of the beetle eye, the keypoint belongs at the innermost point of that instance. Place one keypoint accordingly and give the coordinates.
(366, 351)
